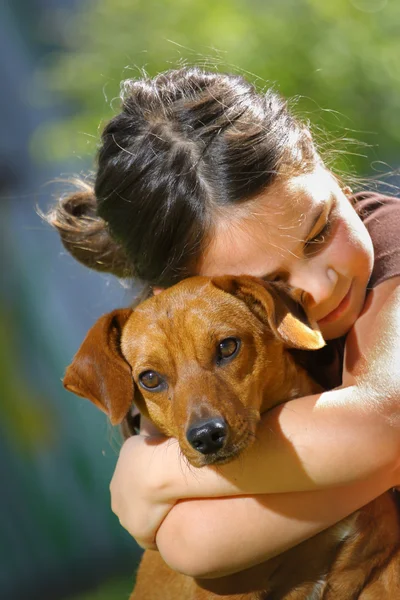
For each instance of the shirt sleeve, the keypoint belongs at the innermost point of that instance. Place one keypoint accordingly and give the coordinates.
(381, 216)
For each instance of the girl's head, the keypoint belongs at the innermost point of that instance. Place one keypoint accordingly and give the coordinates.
(197, 169)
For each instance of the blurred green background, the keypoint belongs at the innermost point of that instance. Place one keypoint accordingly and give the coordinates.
(61, 68)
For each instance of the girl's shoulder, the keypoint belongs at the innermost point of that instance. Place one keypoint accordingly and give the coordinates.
(381, 216)
(370, 205)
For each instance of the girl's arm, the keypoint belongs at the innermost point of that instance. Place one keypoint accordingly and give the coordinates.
(212, 538)
(333, 439)
(197, 536)
(328, 439)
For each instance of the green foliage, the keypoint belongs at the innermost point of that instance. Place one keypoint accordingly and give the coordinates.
(340, 57)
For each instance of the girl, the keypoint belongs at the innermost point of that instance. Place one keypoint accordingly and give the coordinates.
(200, 174)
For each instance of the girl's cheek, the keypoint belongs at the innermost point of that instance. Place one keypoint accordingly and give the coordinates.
(349, 249)
(343, 244)
(342, 233)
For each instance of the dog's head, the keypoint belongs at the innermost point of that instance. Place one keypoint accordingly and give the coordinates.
(202, 360)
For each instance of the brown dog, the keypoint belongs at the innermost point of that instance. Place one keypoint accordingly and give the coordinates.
(203, 360)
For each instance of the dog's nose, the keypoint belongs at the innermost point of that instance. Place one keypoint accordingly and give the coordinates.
(207, 436)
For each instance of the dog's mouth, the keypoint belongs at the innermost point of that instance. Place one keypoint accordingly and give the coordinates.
(214, 442)
(219, 458)
(226, 457)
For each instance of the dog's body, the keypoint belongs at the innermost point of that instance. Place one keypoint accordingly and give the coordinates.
(203, 360)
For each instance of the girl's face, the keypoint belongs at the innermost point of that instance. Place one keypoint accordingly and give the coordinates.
(305, 231)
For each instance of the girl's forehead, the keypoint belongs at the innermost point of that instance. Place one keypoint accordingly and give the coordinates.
(264, 234)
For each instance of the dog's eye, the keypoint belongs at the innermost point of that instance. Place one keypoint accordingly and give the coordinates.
(151, 380)
(228, 348)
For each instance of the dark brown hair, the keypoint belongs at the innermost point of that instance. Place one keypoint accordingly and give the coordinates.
(185, 143)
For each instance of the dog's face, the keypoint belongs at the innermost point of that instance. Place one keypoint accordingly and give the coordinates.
(202, 360)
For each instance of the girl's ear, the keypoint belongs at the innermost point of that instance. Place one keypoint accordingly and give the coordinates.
(278, 306)
(99, 371)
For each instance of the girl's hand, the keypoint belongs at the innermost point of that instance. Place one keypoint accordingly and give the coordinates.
(136, 486)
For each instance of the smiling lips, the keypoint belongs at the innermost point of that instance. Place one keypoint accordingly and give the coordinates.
(339, 310)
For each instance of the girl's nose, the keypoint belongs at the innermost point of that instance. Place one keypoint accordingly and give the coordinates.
(318, 282)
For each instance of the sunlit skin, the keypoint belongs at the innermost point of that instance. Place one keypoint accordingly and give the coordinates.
(302, 229)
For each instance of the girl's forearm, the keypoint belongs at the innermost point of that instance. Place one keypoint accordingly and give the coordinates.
(197, 537)
(326, 440)
(295, 443)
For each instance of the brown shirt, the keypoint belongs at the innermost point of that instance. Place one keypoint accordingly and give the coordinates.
(381, 216)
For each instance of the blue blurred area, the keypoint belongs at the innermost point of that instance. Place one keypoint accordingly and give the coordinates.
(58, 535)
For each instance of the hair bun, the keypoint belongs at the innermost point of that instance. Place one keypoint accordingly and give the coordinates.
(85, 235)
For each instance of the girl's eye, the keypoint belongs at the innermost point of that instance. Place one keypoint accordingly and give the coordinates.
(228, 348)
(151, 380)
(319, 238)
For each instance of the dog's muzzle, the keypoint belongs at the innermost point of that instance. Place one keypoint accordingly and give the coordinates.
(208, 436)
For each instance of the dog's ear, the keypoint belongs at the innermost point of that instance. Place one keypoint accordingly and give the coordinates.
(278, 306)
(99, 371)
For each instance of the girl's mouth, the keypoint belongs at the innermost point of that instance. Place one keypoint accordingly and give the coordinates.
(339, 310)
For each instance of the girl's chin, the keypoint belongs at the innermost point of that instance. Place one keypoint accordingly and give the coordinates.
(341, 326)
